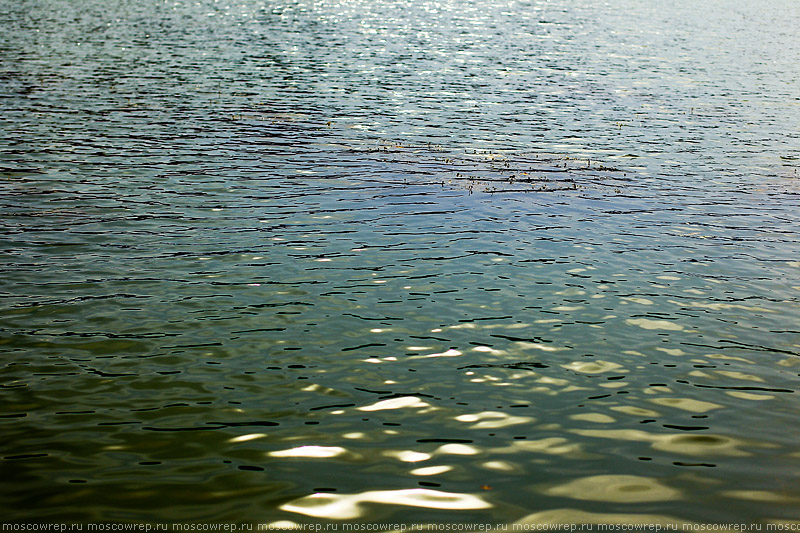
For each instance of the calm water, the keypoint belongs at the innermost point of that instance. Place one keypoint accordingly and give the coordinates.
(394, 261)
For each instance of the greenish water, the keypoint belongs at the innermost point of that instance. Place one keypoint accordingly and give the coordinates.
(399, 262)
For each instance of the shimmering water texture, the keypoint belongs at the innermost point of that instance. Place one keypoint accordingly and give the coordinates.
(400, 262)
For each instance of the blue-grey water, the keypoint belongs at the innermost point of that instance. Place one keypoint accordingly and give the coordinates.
(450, 261)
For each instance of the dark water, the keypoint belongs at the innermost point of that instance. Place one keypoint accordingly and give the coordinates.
(460, 261)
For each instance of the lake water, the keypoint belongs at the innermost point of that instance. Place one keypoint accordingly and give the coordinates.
(456, 261)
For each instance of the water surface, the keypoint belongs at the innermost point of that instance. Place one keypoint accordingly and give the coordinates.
(458, 261)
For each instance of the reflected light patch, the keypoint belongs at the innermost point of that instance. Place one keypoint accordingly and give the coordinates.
(319, 388)
(657, 390)
(549, 446)
(749, 395)
(635, 411)
(575, 516)
(553, 381)
(431, 470)
(687, 404)
(740, 375)
(310, 451)
(502, 466)
(573, 388)
(408, 456)
(348, 506)
(449, 353)
(672, 351)
(594, 417)
(395, 403)
(618, 489)
(538, 346)
(687, 444)
(245, 438)
(493, 420)
(640, 301)
(591, 367)
(284, 524)
(654, 324)
(723, 306)
(729, 358)
(456, 449)
(488, 349)
(758, 496)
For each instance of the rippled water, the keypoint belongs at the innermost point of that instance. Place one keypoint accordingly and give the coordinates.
(457, 261)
